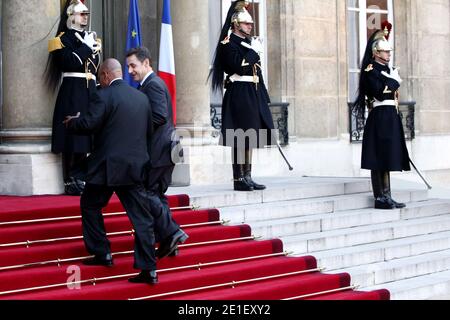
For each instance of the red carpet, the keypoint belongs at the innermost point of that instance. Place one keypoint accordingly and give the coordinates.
(41, 249)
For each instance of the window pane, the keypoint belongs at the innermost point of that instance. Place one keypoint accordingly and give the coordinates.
(352, 3)
(353, 85)
(374, 21)
(380, 4)
(353, 40)
(354, 58)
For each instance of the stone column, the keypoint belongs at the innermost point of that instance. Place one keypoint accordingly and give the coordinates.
(190, 33)
(26, 165)
(192, 48)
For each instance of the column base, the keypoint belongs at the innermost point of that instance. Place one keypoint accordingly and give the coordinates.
(181, 176)
(30, 174)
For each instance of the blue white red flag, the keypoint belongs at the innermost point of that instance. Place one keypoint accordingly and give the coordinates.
(133, 37)
(167, 57)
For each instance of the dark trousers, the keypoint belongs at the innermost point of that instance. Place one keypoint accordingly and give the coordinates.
(158, 182)
(135, 200)
(72, 165)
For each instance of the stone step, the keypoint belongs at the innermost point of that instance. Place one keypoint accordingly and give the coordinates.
(398, 269)
(341, 238)
(418, 288)
(322, 205)
(281, 189)
(382, 251)
(282, 227)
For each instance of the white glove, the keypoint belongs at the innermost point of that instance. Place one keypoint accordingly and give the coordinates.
(91, 41)
(394, 75)
(257, 45)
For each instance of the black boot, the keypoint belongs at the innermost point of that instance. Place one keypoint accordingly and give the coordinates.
(248, 171)
(387, 190)
(240, 183)
(382, 201)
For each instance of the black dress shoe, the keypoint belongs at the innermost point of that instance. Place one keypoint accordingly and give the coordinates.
(384, 203)
(106, 261)
(243, 185)
(255, 185)
(398, 205)
(168, 246)
(146, 276)
(174, 253)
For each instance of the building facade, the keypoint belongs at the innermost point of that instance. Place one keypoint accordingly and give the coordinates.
(313, 51)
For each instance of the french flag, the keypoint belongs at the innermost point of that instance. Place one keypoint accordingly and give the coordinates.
(167, 58)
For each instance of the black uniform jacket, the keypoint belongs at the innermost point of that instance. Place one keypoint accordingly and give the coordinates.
(120, 119)
(165, 143)
(245, 104)
(384, 146)
(74, 57)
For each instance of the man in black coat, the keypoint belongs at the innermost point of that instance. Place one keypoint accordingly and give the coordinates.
(246, 118)
(120, 119)
(165, 149)
(384, 147)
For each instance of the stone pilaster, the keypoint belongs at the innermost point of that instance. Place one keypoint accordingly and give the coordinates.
(190, 33)
(26, 165)
(192, 58)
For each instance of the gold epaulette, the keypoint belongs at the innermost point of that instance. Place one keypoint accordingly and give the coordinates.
(55, 43)
(369, 68)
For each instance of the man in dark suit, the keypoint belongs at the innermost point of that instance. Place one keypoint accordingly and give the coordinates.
(120, 119)
(165, 145)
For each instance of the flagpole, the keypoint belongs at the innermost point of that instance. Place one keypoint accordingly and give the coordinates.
(254, 18)
(90, 16)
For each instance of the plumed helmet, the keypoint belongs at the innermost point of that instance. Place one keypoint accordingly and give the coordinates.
(76, 6)
(237, 13)
(73, 21)
(241, 14)
(381, 38)
(381, 45)
(377, 42)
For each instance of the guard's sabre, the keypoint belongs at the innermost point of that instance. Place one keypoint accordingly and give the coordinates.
(284, 157)
(420, 175)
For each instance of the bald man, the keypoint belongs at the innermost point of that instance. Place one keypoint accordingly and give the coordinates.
(120, 119)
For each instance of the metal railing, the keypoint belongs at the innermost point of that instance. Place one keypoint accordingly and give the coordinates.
(280, 115)
(93, 281)
(407, 114)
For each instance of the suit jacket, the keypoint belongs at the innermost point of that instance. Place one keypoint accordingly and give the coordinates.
(166, 150)
(120, 119)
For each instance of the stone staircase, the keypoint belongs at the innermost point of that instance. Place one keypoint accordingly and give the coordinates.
(406, 251)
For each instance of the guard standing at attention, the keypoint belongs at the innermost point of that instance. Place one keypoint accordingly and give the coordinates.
(384, 146)
(246, 118)
(74, 59)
